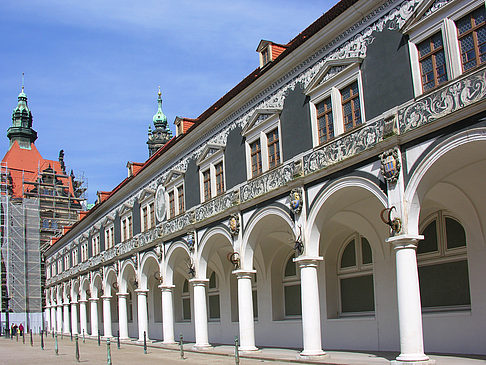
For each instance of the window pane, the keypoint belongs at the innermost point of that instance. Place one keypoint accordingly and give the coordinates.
(185, 287)
(290, 269)
(214, 311)
(293, 305)
(444, 284)
(429, 243)
(255, 304)
(212, 281)
(348, 259)
(186, 308)
(366, 251)
(456, 236)
(357, 294)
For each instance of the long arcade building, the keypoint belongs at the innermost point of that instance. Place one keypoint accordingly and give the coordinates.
(332, 199)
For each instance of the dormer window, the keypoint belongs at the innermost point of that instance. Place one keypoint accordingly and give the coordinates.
(183, 124)
(269, 51)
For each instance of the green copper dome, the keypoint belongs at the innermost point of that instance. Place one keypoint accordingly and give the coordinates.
(160, 120)
(21, 129)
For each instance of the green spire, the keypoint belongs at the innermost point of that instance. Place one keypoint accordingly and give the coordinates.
(161, 134)
(21, 129)
(160, 120)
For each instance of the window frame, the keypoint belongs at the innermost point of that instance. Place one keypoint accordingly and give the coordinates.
(358, 270)
(126, 227)
(214, 292)
(319, 90)
(443, 254)
(84, 251)
(109, 232)
(288, 281)
(207, 164)
(95, 245)
(172, 185)
(149, 206)
(259, 132)
(443, 20)
(74, 256)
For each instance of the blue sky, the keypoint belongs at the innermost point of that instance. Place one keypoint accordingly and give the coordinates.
(92, 68)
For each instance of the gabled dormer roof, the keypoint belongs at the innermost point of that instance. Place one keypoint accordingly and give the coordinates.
(329, 70)
(208, 151)
(172, 176)
(259, 117)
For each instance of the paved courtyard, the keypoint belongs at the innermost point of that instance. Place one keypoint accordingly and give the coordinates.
(18, 353)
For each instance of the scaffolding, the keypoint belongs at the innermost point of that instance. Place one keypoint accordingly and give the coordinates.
(50, 200)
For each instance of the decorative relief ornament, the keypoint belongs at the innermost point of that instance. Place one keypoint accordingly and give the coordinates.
(160, 210)
(390, 165)
(296, 200)
(234, 258)
(234, 224)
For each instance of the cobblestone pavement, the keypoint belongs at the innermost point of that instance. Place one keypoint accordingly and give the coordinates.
(18, 353)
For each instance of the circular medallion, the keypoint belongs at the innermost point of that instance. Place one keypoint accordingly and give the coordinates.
(160, 203)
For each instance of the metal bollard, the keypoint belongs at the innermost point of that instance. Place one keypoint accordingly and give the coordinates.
(56, 347)
(118, 340)
(71, 333)
(99, 338)
(83, 337)
(31, 339)
(144, 342)
(108, 352)
(42, 339)
(237, 354)
(77, 348)
(17, 336)
(181, 346)
(23, 337)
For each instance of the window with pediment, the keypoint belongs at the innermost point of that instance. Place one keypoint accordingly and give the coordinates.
(147, 211)
(126, 227)
(59, 265)
(336, 99)
(95, 245)
(263, 142)
(174, 191)
(442, 264)
(211, 171)
(445, 42)
(109, 236)
(66, 262)
(53, 269)
(84, 251)
(74, 256)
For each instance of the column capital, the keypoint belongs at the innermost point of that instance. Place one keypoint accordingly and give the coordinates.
(93, 299)
(308, 261)
(106, 297)
(122, 295)
(405, 241)
(166, 287)
(74, 302)
(199, 282)
(141, 291)
(83, 300)
(243, 274)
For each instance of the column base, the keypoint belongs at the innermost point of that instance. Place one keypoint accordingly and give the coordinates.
(309, 354)
(248, 348)
(202, 347)
(413, 362)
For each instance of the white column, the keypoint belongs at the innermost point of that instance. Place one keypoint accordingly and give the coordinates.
(245, 310)
(74, 317)
(167, 313)
(200, 312)
(83, 317)
(142, 313)
(311, 312)
(67, 319)
(48, 317)
(107, 316)
(94, 316)
(408, 293)
(122, 315)
(53, 318)
(59, 318)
